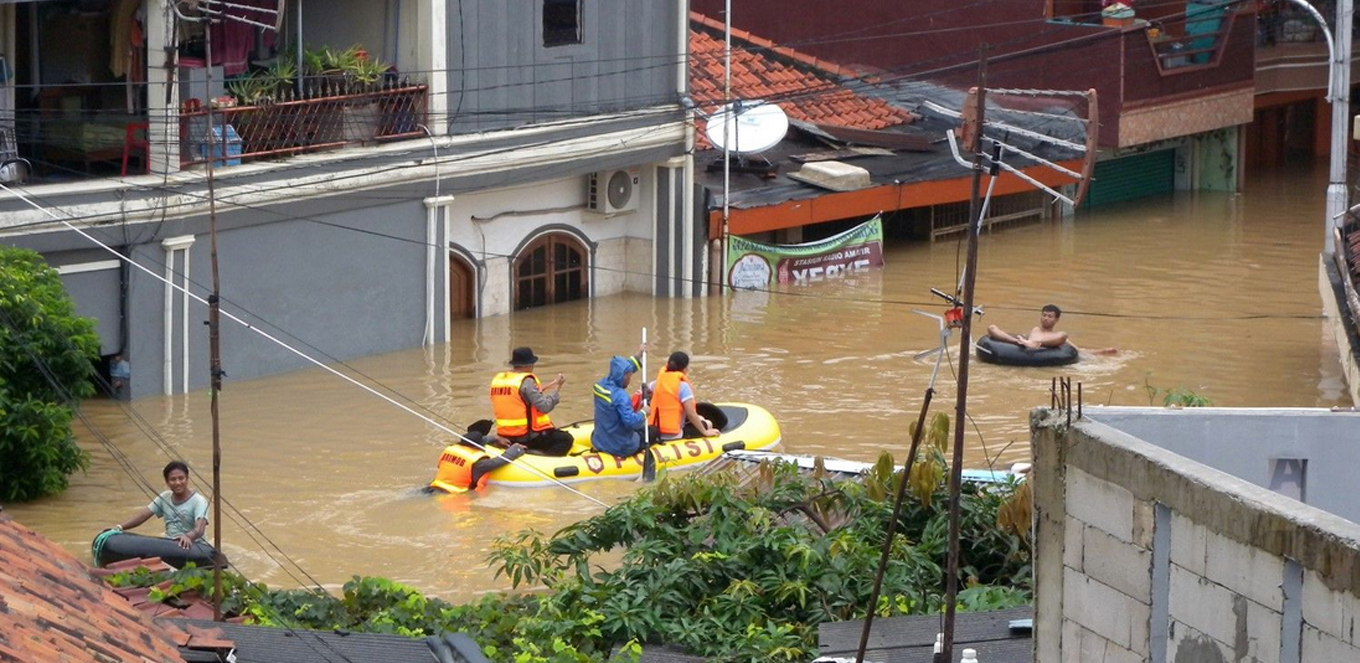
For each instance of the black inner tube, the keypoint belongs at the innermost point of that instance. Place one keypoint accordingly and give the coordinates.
(1009, 354)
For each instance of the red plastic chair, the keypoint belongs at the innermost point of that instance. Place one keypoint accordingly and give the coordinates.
(133, 140)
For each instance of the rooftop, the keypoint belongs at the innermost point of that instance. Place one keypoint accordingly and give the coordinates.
(260, 644)
(762, 70)
(53, 609)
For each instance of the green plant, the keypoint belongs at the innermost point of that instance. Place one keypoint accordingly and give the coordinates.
(701, 555)
(46, 352)
(263, 85)
(250, 90)
(1174, 397)
(282, 73)
(1182, 397)
(352, 64)
(730, 572)
(367, 71)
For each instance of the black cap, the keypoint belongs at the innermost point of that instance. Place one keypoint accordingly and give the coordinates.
(523, 357)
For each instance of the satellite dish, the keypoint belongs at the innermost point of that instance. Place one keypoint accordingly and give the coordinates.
(758, 126)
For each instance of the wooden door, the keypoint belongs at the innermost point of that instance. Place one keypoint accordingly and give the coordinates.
(462, 288)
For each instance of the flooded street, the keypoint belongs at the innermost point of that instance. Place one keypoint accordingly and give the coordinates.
(1212, 292)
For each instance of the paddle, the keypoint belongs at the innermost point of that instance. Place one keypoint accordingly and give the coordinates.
(648, 460)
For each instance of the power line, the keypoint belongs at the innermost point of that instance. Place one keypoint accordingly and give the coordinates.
(878, 78)
(299, 353)
(702, 281)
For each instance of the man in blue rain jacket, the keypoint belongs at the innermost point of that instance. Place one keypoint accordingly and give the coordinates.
(618, 426)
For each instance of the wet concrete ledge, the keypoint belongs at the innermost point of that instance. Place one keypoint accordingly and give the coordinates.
(1343, 321)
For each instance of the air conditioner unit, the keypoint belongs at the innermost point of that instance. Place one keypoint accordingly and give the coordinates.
(613, 191)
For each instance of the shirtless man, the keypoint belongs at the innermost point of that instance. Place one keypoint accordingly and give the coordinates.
(1043, 336)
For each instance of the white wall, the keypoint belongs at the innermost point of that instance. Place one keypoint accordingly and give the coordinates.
(622, 259)
(387, 29)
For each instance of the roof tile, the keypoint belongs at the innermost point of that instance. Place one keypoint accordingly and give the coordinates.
(56, 610)
(806, 88)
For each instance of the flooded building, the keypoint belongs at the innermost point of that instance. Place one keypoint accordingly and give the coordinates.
(1195, 535)
(1175, 81)
(381, 168)
(855, 149)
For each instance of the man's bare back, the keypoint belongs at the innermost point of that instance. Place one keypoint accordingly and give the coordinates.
(1044, 335)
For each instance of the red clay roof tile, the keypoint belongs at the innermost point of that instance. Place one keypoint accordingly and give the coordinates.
(806, 88)
(54, 609)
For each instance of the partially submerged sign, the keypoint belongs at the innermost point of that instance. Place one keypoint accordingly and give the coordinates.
(756, 265)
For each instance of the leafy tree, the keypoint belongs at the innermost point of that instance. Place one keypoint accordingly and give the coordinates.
(45, 355)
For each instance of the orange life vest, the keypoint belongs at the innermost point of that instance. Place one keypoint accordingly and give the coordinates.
(667, 413)
(455, 468)
(514, 417)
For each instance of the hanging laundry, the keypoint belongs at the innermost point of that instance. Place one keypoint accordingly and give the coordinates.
(122, 20)
(233, 40)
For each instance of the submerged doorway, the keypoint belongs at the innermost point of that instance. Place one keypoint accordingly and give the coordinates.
(462, 288)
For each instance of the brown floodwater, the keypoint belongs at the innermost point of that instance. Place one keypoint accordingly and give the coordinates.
(1211, 292)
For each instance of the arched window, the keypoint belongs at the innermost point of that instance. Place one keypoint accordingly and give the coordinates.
(550, 270)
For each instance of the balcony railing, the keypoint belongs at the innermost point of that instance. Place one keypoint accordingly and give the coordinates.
(1213, 49)
(274, 130)
(1279, 23)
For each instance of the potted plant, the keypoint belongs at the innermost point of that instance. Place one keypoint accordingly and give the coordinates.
(362, 115)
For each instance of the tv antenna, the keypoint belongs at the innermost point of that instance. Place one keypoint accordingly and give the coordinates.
(201, 11)
(993, 158)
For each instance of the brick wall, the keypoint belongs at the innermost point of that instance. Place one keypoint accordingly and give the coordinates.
(1143, 555)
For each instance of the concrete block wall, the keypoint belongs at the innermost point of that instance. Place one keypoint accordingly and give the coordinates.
(1107, 574)
(1143, 555)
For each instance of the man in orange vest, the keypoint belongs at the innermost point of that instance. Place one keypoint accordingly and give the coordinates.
(466, 466)
(673, 401)
(521, 405)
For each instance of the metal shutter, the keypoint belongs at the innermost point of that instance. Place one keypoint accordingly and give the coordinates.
(1133, 177)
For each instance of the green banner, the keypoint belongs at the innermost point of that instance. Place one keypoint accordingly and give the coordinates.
(755, 265)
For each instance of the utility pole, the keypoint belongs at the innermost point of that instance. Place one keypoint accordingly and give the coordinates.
(1337, 199)
(214, 340)
(973, 141)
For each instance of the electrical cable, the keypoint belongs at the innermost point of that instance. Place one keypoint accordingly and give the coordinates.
(306, 357)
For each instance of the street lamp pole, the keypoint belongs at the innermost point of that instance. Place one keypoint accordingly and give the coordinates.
(1340, 94)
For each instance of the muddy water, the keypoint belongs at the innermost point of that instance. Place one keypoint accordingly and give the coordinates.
(329, 473)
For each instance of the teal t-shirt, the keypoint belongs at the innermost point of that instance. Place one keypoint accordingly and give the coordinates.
(179, 518)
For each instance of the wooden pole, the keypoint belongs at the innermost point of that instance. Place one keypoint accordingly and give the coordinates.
(214, 342)
(961, 408)
(892, 524)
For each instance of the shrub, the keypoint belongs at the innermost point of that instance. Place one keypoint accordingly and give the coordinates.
(46, 352)
(730, 572)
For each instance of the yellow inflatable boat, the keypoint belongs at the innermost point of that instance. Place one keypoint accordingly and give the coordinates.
(743, 426)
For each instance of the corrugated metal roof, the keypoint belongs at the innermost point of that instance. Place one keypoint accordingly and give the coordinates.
(896, 639)
(261, 644)
(53, 609)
